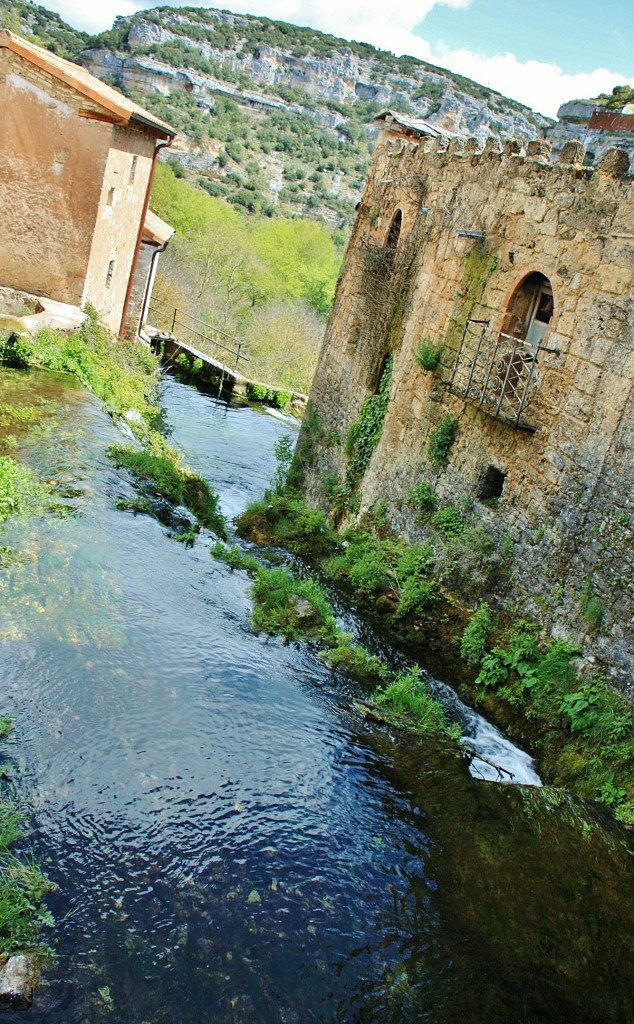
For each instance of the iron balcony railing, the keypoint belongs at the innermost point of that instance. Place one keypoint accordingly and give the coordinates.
(497, 371)
(185, 328)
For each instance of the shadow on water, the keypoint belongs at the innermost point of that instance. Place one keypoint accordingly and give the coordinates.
(232, 843)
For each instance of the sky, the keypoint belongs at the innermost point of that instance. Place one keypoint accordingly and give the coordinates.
(541, 53)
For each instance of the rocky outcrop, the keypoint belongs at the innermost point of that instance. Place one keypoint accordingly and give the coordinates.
(340, 77)
(19, 976)
(574, 125)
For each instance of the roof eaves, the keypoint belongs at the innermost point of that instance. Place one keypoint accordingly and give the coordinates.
(81, 81)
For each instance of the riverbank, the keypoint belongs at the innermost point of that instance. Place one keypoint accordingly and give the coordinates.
(579, 728)
(232, 838)
(125, 378)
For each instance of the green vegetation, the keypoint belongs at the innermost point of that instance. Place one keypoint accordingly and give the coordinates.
(298, 528)
(20, 492)
(285, 605)
(289, 606)
(42, 27)
(22, 885)
(421, 498)
(580, 729)
(450, 521)
(268, 282)
(620, 96)
(479, 264)
(408, 695)
(365, 432)
(440, 442)
(428, 356)
(473, 642)
(125, 377)
(583, 731)
(170, 480)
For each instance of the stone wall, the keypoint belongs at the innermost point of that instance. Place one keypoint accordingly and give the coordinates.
(475, 226)
(588, 122)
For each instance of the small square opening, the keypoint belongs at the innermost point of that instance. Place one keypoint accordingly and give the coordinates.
(491, 484)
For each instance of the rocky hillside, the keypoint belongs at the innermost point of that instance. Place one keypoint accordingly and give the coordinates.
(273, 117)
(277, 118)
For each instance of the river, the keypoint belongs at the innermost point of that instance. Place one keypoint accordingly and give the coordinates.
(232, 843)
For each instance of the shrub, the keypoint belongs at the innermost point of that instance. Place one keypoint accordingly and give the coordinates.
(440, 442)
(364, 433)
(473, 642)
(421, 498)
(276, 608)
(20, 492)
(409, 695)
(417, 589)
(173, 482)
(428, 356)
(450, 521)
(286, 519)
(17, 350)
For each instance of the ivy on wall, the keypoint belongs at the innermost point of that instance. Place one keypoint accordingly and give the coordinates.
(365, 432)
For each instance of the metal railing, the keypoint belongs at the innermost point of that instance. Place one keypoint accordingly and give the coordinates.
(497, 371)
(178, 323)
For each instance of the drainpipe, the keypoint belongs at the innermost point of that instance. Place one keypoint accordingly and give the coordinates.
(150, 283)
(126, 304)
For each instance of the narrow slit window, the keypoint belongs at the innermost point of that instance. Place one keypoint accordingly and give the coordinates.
(110, 199)
(110, 273)
(135, 161)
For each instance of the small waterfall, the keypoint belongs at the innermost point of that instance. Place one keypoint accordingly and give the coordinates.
(479, 735)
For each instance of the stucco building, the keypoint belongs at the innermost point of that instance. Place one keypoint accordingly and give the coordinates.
(522, 270)
(76, 166)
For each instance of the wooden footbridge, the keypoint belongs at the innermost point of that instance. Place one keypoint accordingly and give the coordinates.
(174, 333)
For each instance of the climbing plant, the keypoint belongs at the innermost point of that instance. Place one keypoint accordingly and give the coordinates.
(365, 432)
(440, 442)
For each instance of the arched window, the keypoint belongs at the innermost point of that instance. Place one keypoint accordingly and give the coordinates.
(530, 310)
(394, 233)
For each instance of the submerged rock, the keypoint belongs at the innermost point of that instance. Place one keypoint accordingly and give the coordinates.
(19, 976)
(306, 615)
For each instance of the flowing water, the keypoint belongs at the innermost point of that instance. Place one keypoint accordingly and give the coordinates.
(232, 842)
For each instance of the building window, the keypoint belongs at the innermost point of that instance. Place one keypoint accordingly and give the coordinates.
(394, 233)
(110, 273)
(110, 199)
(135, 161)
(530, 310)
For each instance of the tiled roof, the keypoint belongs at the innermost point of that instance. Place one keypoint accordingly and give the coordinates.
(85, 83)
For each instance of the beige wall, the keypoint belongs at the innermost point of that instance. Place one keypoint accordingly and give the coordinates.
(51, 169)
(69, 209)
(119, 215)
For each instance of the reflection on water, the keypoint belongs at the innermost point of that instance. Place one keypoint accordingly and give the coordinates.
(231, 842)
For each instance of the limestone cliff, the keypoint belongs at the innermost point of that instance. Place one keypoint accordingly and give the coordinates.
(189, 63)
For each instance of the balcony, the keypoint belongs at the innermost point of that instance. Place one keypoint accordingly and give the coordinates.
(498, 372)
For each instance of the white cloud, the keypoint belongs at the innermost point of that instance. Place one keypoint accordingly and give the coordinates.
(542, 86)
(93, 17)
